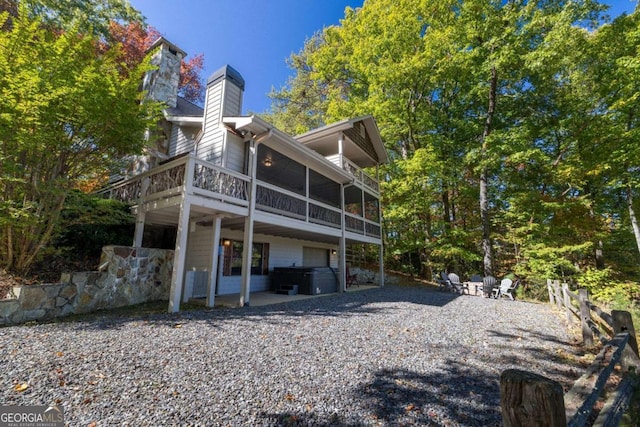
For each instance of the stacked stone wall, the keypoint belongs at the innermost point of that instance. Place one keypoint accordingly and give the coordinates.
(128, 276)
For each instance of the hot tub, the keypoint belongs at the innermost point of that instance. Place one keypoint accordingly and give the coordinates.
(310, 280)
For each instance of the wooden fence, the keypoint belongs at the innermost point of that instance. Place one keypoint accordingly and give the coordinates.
(529, 399)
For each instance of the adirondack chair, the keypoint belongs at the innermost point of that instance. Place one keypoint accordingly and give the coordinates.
(505, 289)
(488, 283)
(444, 282)
(457, 285)
(452, 283)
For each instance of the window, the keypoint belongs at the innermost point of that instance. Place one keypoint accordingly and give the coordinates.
(233, 258)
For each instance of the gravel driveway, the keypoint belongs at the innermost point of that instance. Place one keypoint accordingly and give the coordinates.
(381, 357)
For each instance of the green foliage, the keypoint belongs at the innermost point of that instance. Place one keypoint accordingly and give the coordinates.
(511, 125)
(605, 287)
(89, 222)
(85, 16)
(66, 114)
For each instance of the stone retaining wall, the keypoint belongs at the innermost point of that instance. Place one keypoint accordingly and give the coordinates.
(128, 276)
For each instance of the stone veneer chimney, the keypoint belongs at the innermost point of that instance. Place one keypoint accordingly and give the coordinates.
(161, 84)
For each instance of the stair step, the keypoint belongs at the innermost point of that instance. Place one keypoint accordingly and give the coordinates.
(288, 290)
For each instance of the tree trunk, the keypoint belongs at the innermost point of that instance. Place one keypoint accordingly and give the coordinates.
(484, 191)
(446, 216)
(599, 255)
(632, 216)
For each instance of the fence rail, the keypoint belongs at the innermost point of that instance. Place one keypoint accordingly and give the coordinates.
(531, 399)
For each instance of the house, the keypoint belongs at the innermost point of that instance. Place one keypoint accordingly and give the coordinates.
(244, 199)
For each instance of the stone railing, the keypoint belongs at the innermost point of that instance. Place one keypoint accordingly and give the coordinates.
(128, 276)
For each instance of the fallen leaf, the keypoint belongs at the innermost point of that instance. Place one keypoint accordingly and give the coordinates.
(59, 354)
(178, 326)
(410, 407)
(21, 387)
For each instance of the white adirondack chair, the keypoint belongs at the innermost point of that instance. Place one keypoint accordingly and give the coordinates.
(504, 290)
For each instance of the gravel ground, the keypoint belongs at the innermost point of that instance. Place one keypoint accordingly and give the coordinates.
(380, 357)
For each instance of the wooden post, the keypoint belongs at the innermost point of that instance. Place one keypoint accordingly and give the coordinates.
(550, 290)
(585, 318)
(556, 287)
(567, 302)
(623, 322)
(529, 399)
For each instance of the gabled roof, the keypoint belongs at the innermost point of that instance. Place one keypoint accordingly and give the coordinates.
(265, 133)
(363, 144)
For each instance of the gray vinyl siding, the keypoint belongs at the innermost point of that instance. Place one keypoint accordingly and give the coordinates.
(232, 101)
(182, 139)
(283, 252)
(211, 144)
(235, 153)
(223, 99)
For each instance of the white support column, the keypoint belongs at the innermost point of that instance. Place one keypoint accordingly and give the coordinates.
(213, 262)
(247, 250)
(381, 272)
(247, 244)
(342, 262)
(342, 246)
(139, 232)
(381, 267)
(140, 217)
(340, 149)
(180, 255)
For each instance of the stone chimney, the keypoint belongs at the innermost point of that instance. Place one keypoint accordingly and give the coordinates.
(161, 84)
(223, 98)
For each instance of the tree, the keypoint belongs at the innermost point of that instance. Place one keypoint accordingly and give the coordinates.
(617, 75)
(489, 89)
(135, 39)
(81, 15)
(66, 114)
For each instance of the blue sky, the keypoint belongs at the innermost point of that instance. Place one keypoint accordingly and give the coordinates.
(255, 36)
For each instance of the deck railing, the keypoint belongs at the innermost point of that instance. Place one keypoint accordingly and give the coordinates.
(207, 180)
(273, 199)
(199, 177)
(357, 224)
(361, 176)
(224, 183)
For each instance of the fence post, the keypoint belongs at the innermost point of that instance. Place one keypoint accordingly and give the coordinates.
(550, 290)
(556, 286)
(529, 399)
(567, 302)
(585, 318)
(623, 322)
